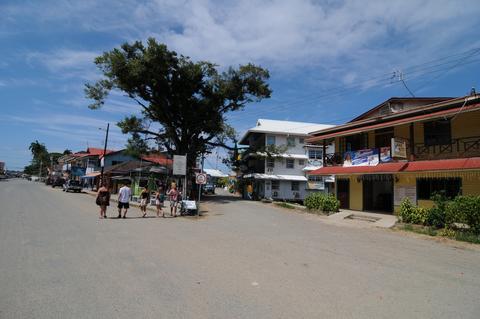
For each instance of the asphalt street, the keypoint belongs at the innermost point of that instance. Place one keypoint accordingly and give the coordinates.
(241, 260)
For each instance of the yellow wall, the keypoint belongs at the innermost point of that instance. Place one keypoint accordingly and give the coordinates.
(356, 193)
(470, 182)
(466, 125)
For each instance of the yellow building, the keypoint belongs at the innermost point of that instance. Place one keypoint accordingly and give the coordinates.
(405, 147)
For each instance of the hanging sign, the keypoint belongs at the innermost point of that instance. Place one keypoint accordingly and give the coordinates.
(399, 147)
(179, 165)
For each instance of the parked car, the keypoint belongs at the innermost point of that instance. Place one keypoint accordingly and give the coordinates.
(73, 186)
(209, 189)
(58, 181)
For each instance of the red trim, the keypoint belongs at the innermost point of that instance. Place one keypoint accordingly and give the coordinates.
(442, 165)
(400, 167)
(380, 168)
(395, 122)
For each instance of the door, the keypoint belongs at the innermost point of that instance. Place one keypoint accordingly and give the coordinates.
(378, 193)
(343, 192)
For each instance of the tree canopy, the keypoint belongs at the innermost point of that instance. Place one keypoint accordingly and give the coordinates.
(189, 100)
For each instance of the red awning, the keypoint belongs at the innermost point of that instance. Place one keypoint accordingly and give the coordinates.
(441, 165)
(345, 170)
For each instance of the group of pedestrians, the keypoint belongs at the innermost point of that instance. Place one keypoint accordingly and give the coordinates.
(125, 193)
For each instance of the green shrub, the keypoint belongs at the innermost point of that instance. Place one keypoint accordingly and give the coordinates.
(465, 210)
(437, 214)
(323, 202)
(409, 213)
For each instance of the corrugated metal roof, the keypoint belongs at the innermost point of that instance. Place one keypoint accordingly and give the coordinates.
(284, 127)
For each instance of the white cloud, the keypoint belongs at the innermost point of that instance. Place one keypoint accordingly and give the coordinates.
(67, 63)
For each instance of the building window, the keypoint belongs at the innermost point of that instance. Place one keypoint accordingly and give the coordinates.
(290, 163)
(315, 154)
(356, 142)
(301, 162)
(427, 187)
(315, 178)
(295, 186)
(301, 140)
(383, 137)
(290, 141)
(270, 162)
(275, 185)
(437, 132)
(270, 140)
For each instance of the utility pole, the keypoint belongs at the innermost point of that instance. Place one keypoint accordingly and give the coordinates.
(200, 185)
(104, 152)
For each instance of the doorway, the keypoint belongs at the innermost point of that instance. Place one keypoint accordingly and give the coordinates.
(378, 193)
(343, 192)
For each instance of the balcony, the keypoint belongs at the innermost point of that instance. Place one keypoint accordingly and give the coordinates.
(457, 148)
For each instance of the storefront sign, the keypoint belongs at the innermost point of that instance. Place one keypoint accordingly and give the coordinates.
(399, 147)
(401, 192)
(316, 185)
(179, 165)
(367, 157)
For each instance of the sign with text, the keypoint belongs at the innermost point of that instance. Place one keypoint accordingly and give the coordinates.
(401, 192)
(201, 178)
(385, 154)
(399, 147)
(179, 165)
(367, 157)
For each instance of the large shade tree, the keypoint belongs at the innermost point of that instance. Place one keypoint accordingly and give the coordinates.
(189, 100)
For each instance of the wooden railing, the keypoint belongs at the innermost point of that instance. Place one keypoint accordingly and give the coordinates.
(457, 148)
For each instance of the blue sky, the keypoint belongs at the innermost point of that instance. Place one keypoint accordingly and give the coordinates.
(328, 60)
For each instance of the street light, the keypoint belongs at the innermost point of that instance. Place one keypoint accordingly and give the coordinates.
(104, 153)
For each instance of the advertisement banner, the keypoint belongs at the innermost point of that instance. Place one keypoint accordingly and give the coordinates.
(399, 147)
(385, 155)
(367, 157)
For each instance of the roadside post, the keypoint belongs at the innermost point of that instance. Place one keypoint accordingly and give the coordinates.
(200, 179)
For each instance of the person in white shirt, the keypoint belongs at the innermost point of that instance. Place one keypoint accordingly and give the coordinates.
(124, 195)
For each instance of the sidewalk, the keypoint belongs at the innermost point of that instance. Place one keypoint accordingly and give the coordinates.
(361, 219)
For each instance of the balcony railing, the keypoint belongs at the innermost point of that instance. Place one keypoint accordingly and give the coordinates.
(458, 147)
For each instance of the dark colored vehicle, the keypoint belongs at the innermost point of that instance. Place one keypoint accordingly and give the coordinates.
(73, 186)
(209, 189)
(58, 181)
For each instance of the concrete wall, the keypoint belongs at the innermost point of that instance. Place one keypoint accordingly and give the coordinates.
(285, 191)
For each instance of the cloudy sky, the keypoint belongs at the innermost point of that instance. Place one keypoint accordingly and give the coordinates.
(328, 60)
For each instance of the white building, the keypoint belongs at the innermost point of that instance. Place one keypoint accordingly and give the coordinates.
(283, 175)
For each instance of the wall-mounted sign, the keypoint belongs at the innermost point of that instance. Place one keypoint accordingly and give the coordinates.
(179, 165)
(399, 147)
(401, 192)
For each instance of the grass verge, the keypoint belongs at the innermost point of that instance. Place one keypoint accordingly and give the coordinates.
(459, 235)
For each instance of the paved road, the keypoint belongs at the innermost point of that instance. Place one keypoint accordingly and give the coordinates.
(242, 260)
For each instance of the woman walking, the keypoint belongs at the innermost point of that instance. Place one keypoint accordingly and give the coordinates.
(159, 198)
(103, 200)
(145, 197)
